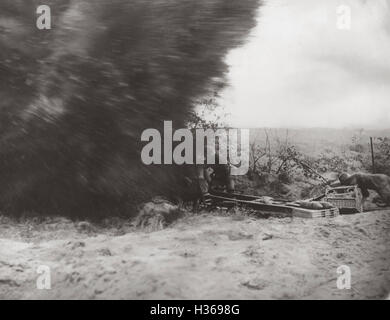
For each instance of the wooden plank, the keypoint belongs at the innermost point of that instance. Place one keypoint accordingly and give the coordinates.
(288, 210)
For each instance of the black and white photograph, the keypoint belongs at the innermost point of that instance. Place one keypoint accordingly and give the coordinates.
(194, 150)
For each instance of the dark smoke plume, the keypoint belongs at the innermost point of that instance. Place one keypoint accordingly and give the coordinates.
(75, 99)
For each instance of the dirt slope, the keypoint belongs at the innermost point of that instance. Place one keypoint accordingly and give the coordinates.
(200, 257)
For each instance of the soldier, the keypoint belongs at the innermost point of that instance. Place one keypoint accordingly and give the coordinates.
(219, 177)
(196, 185)
(365, 181)
(201, 179)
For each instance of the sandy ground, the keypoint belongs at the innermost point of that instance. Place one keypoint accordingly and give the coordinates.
(204, 256)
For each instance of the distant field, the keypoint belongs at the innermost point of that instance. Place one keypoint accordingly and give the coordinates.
(315, 140)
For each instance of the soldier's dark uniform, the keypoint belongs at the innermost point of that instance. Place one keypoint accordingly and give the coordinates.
(377, 182)
(221, 177)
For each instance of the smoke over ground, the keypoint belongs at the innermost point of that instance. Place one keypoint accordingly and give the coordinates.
(75, 99)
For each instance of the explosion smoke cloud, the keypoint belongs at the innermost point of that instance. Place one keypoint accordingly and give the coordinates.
(76, 99)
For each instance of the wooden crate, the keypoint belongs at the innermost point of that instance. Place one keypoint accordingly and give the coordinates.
(347, 198)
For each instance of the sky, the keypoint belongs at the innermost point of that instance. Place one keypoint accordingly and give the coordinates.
(305, 66)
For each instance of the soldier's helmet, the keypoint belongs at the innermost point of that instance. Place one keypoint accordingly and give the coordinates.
(343, 176)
